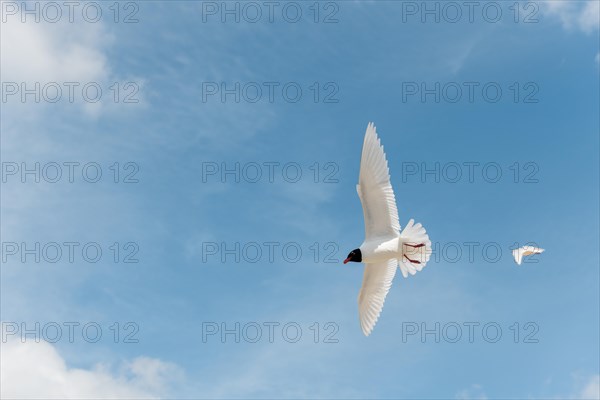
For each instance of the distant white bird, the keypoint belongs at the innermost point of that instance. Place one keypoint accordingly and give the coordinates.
(519, 253)
(384, 248)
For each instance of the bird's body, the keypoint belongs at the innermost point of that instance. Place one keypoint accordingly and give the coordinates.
(382, 249)
(521, 252)
(385, 248)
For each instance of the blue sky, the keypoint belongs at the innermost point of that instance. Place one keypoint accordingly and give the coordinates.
(366, 61)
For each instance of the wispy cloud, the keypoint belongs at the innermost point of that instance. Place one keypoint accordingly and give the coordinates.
(590, 390)
(473, 392)
(575, 15)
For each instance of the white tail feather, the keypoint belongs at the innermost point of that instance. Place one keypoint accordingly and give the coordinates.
(414, 235)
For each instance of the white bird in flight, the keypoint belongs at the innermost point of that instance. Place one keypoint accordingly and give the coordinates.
(519, 253)
(384, 248)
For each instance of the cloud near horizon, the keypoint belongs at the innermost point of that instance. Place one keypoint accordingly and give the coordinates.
(37, 370)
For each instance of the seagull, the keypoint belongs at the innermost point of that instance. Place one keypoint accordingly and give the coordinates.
(525, 251)
(385, 248)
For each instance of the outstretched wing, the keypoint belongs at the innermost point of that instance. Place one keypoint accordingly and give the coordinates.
(375, 190)
(376, 285)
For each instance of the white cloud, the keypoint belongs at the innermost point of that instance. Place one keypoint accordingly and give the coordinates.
(53, 52)
(589, 18)
(575, 14)
(61, 52)
(37, 370)
(43, 53)
(591, 390)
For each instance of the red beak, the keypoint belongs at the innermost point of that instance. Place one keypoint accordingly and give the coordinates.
(346, 260)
